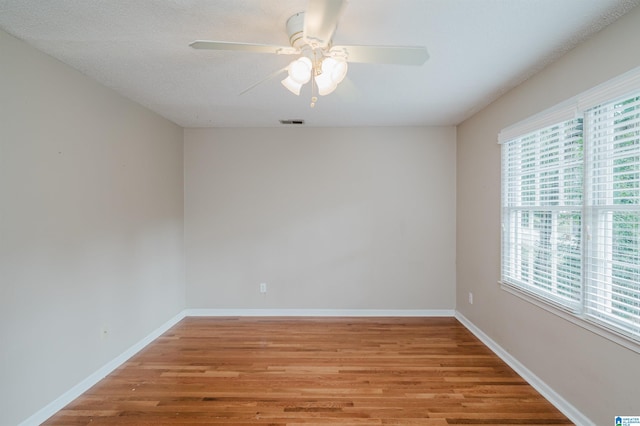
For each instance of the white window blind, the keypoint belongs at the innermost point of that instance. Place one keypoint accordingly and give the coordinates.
(612, 192)
(542, 180)
(558, 114)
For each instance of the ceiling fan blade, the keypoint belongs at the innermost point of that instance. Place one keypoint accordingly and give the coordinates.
(401, 55)
(269, 77)
(321, 19)
(243, 47)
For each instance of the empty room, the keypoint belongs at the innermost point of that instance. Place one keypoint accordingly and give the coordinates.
(320, 212)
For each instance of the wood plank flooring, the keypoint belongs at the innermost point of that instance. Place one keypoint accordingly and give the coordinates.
(313, 371)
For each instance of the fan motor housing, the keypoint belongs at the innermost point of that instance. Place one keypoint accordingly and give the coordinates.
(295, 30)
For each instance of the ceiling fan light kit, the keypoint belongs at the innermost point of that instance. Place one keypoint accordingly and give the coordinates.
(310, 35)
(327, 68)
(327, 73)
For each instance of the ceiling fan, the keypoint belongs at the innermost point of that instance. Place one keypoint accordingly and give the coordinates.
(310, 35)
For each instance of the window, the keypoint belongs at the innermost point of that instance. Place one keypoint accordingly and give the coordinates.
(571, 207)
(612, 258)
(542, 212)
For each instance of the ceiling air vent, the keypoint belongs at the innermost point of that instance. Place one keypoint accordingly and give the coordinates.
(291, 121)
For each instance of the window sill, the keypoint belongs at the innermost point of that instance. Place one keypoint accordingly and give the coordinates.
(593, 327)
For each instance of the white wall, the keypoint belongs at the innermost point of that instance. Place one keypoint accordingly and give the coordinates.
(91, 227)
(598, 377)
(342, 218)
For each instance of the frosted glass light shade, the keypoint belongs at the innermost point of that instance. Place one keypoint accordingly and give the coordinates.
(339, 71)
(325, 84)
(333, 72)
(292, 85)
(300, 70)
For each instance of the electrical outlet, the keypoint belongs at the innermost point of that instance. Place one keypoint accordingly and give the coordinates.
(470, 298)
(263, 288)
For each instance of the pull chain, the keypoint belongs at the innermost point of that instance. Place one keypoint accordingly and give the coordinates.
(314, 71)
(314, 98)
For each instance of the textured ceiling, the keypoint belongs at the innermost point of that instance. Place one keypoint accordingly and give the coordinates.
(479, 49)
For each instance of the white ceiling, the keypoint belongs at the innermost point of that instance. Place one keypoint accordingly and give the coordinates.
(479, 49)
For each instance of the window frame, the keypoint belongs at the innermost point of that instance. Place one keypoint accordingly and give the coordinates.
(611, 91)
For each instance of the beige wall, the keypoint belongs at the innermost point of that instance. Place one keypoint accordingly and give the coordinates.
(343, 218)
(91, 227)
(598, 377)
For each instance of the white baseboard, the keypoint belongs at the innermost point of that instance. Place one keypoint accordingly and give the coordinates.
(63, 400)
(319, 312)
(545, 390)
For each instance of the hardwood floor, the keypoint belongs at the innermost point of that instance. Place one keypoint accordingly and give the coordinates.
(313, 371)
